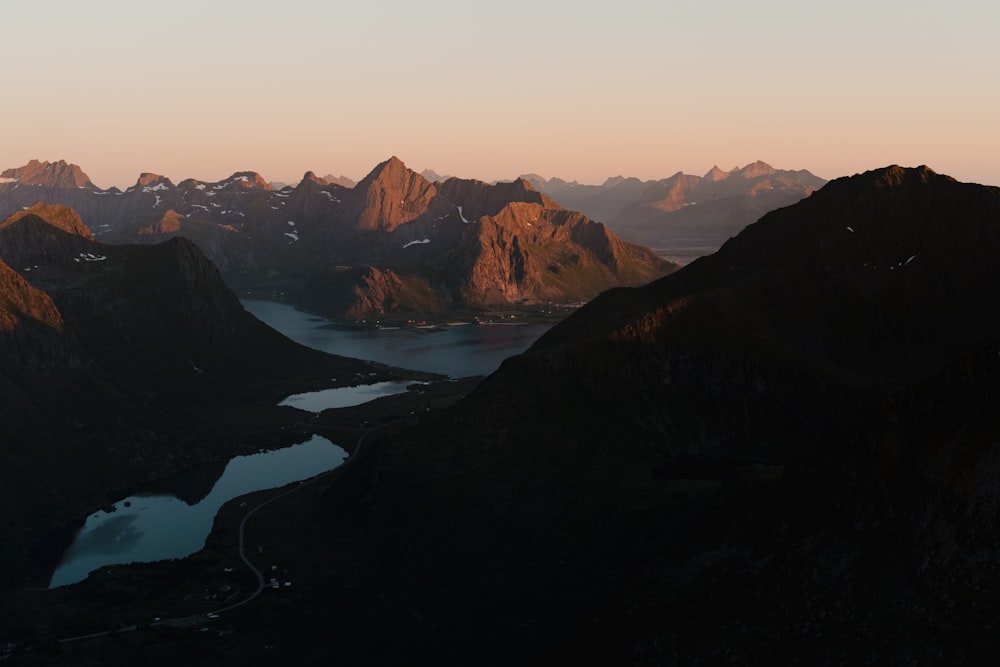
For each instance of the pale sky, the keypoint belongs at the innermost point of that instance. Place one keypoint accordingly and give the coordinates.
(578, 90)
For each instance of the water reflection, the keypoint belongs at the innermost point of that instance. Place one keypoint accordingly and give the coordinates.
(145, 528)
(117, 535)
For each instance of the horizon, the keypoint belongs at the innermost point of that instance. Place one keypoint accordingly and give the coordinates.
(636, 89)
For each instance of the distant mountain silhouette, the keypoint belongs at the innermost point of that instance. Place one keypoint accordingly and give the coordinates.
(340, 180)
(685, 216)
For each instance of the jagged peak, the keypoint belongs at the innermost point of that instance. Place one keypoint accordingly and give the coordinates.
(525, 184)
(60, 217)
(612, 181)
(248, 179)
(715, 174)
(311, 177)
(755, 169)
(341, 180)
(391, 170)
(154, 181)
(60, 174)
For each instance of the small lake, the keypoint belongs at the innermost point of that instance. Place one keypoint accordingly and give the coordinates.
(457, 350)
(159, 527)
(343, 397)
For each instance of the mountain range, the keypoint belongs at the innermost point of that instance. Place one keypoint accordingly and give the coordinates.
(684, 216)
(784, 452)
(393, 244)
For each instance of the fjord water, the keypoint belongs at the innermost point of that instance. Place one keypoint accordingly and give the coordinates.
(145, 528)
(458, 350)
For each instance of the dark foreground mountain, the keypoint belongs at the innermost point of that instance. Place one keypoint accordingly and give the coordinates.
(435, 248)
(684, 216)
(784, 452)
(120, 364)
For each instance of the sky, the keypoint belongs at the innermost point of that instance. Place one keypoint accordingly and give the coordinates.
(576, 90)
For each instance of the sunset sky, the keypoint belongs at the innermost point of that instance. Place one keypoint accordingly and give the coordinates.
(576, 90)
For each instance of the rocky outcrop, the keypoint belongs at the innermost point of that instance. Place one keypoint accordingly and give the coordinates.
(367, 292)
(46, 174)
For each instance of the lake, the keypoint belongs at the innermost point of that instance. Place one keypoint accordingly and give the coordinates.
(343, 397)
(457, 350)
(150, 527)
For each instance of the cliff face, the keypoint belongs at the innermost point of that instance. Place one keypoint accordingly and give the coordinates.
(368, 292)
(48, 174)
(785, 448)
(529, 253)
(391, 196)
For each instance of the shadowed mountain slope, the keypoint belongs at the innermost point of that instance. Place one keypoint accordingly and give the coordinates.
(784, 449)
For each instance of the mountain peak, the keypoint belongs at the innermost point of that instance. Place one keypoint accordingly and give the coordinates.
(391, 195)
(61, 217)
(715, 174)
(756, 169)
(49, 174)
(248, 180)
(524, 184)
(150, 180)
(313, 178)
(390, 170)
(895, 175)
